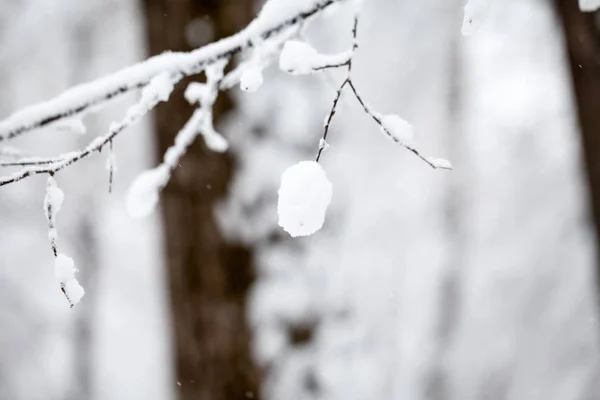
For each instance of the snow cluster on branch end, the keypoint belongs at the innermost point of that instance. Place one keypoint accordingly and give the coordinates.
(64, 272)
(304, 195)
(64, 267)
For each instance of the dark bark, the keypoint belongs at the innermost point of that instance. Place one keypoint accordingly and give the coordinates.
(209, 278)
(583, 43)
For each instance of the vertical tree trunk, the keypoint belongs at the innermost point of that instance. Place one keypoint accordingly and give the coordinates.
(583, 42)
(209, 279)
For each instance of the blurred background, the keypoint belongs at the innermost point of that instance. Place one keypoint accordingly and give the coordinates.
(476, 284)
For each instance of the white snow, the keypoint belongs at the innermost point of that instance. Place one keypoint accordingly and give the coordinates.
(213, 139)
(251, 79)
(440, 163)
(54, 198)
(74, 291)
(64, 272)
(297, 57)
(196, 93)
(398, 128)
(300, 58)
(202, 119)
(64, 268)
(304, 195)
(589, 5)
(160, 87)
(143, 193)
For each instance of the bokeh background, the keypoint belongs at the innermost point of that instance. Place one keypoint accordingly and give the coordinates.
(476, 284)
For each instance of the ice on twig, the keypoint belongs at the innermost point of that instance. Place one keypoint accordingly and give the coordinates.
(304, 195)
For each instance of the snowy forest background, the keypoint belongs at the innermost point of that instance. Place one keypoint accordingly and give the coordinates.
(478, 283)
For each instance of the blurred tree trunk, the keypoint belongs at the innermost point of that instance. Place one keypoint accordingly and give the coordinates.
(209, 279)
(583, 43)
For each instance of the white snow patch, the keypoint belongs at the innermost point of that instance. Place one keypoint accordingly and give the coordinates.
(297, 57)
(197, 93)
(74, 291)
(300, 58)
(64, 268)
(304, 195)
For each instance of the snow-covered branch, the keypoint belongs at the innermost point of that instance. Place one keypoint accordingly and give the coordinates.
(276, 17)
(159, 89)
(64, 266)
(305, 192)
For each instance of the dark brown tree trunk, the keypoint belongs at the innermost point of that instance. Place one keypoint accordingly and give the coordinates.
(583, 43)
(209, 279)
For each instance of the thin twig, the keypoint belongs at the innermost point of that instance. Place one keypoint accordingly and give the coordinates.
(348, 82)
(323, 141)
(348, 63)
(394, 138)
(110, 167)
